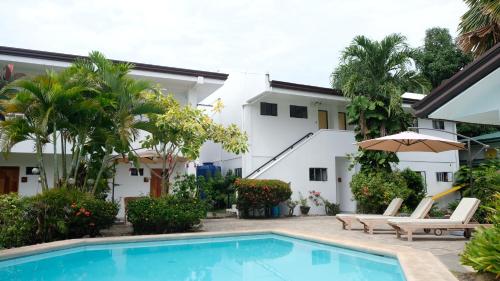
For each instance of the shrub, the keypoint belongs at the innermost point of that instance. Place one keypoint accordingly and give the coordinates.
(256, 194)
(165, 214)
(16, 225)
(69, 213)
(415, 183)
(374, 190)
(486, 182)
(56, 214)
(483, 252)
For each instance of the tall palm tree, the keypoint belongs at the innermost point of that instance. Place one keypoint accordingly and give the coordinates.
(122, 100)
(39, 100)
(480, 26)
(377, 72)
(374, 75)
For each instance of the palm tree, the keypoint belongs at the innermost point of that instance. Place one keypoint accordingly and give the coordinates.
(122, 100)
(480, 26)
(373, 72)
(374, 75)
(41, 101)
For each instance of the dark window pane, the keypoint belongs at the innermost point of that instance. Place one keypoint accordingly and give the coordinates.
(318, 174)
(269, 109)
(298, 111)
(436, 124)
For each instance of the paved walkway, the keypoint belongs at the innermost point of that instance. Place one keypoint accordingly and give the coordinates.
(446, 247)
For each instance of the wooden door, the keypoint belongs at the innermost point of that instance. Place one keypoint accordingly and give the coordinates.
(322, 119)
(342, 121)
(155, 183)
(9, 179)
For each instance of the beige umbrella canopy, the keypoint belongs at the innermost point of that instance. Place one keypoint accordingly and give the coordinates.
(411, 141)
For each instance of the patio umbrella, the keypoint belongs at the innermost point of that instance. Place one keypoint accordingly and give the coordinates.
(410, 141)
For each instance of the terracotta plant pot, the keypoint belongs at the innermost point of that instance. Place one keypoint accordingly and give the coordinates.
(304, 210)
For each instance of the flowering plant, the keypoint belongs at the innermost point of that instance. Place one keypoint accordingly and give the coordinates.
(315, 197)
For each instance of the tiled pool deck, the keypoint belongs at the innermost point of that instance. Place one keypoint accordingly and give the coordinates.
(418, 263)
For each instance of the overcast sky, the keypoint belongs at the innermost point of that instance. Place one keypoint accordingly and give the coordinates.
(295, 41)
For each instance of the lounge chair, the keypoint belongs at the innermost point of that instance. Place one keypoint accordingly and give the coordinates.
(233, 210)
(391, 210)
(369, 222)
(458, 220)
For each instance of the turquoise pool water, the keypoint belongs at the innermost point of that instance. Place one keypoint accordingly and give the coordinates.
(256, 257)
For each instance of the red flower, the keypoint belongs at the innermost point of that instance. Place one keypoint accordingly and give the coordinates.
(87, 213)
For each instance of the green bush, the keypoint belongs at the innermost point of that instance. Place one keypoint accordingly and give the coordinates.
(415, 183)
(374, 190)
(69, 213)
(483, 251)
(165, 214)
(16, 225)
(486, 182)
(257, 194)
(56, 214)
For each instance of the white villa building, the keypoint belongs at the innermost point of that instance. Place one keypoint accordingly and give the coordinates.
(297, 133)
(188, 87)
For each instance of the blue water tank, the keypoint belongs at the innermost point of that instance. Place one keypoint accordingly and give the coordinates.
(208, 169)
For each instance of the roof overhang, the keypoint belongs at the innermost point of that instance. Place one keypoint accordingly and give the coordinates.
(472, 95)
(171, 79)
(320, 93)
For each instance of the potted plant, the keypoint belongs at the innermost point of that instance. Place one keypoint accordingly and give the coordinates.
(291, 204)
(304, 207)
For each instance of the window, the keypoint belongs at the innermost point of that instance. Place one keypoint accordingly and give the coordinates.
(238, 172)
(136, 172)
(270, 109)
(444, 176)
(342, 121)
(298, 111)
(29, 171)
(436, 124)
(317, 174)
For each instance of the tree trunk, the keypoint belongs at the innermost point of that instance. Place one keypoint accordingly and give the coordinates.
(104, 164)
(41, 166)
(362, 122)
(56, 167)
(77, 155)
(63, 159)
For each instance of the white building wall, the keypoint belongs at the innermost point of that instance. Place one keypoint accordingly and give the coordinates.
(320, 151)
(132, 186)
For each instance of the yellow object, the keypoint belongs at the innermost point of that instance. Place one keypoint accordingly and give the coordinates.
(446, 192)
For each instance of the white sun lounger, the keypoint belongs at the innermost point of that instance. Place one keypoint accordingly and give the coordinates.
(369, 222)
(458, 220)
(391, 210)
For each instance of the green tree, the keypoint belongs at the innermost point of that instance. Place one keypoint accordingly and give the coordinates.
(181, 131)
(37, 103)
(374, 75)
(479, 27)
(439, 58)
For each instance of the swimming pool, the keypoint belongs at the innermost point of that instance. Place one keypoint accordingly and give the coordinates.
(263, 257)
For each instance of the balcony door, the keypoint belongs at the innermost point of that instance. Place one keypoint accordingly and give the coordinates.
(322, 119)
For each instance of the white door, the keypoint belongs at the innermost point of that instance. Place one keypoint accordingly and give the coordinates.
(344, 194)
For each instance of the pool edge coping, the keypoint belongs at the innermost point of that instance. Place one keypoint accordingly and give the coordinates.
(417, 265)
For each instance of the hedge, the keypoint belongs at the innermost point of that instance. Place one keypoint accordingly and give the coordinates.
(260, 194)
(56, 214)
(165, 214)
